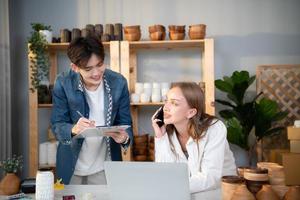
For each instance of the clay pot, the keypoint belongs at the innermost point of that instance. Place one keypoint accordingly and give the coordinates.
(255, 179)
(293, 193)
(157, 35)
(10, 184)
(133, 36)
(140, 138)
(280, 190)
(242, 193)
(267, 193)
(229, 185)
(176, 35)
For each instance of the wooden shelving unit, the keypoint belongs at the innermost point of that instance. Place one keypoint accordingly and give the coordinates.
(129, 67)
(53, 49)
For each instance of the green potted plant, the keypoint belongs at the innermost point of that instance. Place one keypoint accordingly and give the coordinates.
(258, 115)
(38, 56)
(10, 184)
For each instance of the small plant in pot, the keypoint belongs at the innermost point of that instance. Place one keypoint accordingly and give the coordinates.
(258, 115)
(38, 56)
(10, 184)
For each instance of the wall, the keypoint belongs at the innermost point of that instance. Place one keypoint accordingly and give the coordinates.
(247, 34)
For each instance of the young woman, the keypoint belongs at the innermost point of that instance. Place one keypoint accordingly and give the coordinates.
(190, 135)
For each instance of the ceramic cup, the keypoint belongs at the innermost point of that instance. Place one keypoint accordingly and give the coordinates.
(135, 98)
(147, 85)
(145, 98)
(155, 97)
(156, 91)
(156, 85)
(165, 85)
(139, 88)
(148, 91)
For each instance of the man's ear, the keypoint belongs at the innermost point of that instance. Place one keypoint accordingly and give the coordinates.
(74, 67)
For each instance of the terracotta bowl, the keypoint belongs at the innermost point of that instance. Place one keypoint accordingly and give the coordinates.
(255, 179)
(156, 27)
(198, 28)
(141, 138)
(151, 157)
(196, 35)
(140, 147)
(151, 145)
(158, 35)
(140, 158)
(140, 151)
(132, 28)
(176, 36)
(133, 36)
(176, 28)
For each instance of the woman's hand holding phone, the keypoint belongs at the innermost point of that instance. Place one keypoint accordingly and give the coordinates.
(158, 123)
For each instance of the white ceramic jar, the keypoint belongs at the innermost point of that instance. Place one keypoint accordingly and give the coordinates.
(44, 185)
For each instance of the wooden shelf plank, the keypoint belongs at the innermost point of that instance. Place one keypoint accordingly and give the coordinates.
(45, 105)
(166, 44)
(64, 46)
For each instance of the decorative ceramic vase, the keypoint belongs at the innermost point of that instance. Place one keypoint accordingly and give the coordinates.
(293, 193)
(266, 192)
(47, 34)
(242, 193)
(44, 185)
(10, 184)
(229, 185)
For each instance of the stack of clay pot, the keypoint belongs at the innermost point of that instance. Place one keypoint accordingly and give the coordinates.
(151, 154)
(140, 147)
(276, 177)
(197, 31)
(176, 32)
(157, 32)
(132, 33)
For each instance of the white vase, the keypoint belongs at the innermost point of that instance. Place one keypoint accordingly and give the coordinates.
(47, 34)
(44, 185)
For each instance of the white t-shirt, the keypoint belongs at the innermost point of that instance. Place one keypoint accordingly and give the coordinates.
(93, 151)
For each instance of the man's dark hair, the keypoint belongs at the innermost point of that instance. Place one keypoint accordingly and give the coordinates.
(81, 49)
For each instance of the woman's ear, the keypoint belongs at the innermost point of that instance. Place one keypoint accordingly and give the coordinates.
(74, 67)
(192, 112)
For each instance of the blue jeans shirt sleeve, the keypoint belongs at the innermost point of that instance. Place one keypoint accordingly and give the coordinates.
(60, 119)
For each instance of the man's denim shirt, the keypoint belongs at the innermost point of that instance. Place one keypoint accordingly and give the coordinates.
(68, 98)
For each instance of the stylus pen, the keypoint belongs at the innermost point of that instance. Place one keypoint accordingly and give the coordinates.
(79, 113)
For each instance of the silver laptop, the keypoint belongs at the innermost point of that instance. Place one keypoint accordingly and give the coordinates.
(147, 180)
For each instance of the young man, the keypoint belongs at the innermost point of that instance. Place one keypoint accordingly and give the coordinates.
(88, 95)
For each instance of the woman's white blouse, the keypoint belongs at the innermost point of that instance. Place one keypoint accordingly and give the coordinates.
(206, 166)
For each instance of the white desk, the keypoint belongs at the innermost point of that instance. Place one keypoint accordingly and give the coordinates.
(101, 192)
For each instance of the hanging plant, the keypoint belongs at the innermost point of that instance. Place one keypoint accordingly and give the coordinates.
(38, 56)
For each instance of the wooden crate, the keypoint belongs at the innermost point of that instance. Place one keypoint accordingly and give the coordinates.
(280, 83)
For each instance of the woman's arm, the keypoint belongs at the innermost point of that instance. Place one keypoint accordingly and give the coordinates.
(211, 164)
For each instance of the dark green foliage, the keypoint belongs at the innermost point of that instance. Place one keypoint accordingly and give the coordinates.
(12, 165)
(38, 58)
(241, 117)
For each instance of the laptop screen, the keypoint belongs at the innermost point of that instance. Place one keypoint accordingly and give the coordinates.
(147, 180)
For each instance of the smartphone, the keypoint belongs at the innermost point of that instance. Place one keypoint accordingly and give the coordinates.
(160, 116)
